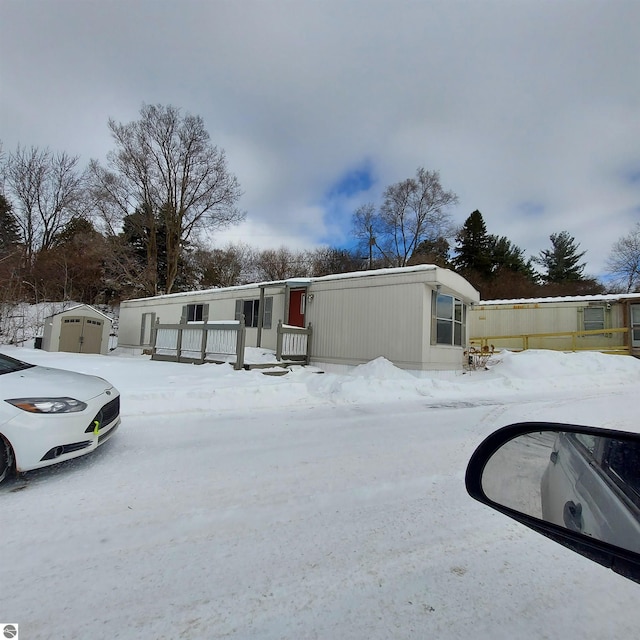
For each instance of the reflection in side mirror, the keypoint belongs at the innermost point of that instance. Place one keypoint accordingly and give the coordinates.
(578, 485)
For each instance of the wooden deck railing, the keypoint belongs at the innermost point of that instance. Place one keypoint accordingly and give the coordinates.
(526, 339)
(293, 343)
(198, 343)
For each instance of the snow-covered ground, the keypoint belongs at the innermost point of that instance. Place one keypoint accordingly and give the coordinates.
(311, 505)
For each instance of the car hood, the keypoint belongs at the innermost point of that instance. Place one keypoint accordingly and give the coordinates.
(46, 382)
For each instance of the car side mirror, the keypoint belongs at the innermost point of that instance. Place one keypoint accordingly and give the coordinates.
(579, 486)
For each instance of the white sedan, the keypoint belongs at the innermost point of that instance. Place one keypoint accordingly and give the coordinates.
(51, 415)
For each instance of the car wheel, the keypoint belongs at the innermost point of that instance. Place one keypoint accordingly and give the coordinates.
(6, 458)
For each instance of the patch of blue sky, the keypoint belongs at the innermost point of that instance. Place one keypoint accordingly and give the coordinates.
(352, 182)
(351, 189)
(632, 176)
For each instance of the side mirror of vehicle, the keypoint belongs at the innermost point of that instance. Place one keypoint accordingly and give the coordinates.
(579, 486)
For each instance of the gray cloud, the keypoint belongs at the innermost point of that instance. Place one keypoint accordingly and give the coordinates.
(529, 109)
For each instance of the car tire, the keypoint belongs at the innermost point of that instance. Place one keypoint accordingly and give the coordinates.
(6, 459)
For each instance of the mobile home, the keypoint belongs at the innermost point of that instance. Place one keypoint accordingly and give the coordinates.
(609, 323)
(416, 317)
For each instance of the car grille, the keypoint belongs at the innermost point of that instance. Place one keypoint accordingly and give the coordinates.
(103, 436)
(106, 415)
(65, 448)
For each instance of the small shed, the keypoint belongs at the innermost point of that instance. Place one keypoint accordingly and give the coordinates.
(78, 329)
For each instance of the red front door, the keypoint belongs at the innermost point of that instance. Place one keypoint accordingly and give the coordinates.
(297, 302)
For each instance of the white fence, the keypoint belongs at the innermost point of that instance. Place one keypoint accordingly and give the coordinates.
(293, 343)
(216, 341)
(198, 343)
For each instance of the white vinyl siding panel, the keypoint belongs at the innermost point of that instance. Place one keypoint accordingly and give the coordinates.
(488, 320)
(360, 323)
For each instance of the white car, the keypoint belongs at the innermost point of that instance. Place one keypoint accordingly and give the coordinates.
(51, 415)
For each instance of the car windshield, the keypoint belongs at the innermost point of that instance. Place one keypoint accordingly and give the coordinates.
(9, 365)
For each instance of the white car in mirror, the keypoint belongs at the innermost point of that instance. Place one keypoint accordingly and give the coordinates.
(578, 485)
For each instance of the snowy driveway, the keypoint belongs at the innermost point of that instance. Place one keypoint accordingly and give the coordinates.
(308, 506)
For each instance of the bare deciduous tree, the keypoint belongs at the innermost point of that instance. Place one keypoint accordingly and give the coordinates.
(325, 261)
(415, 210)
(165, 165)
(280, 264)
(226, 267)
(366, 228)
(47, 191)
(624, 261)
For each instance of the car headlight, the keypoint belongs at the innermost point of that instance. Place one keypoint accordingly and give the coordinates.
(48, 405)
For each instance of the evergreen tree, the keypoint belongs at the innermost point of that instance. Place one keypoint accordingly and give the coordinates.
(506, 256)
(431, 252)
(472, 250)
(561, 263)
(12, 260)
(146, 234)
(75, 228)
(73, 267)
(9, 229)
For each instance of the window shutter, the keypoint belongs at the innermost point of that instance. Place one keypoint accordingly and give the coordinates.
(268, 312)
(183, 317)
(205, 312)
(239, 306)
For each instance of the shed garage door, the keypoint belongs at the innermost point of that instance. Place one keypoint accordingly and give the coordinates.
(81, 335)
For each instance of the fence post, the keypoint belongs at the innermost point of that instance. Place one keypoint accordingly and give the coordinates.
(240, 340)
(203, 344)
(279, 342)
(154, 337)
(179, 345)
(309, 334)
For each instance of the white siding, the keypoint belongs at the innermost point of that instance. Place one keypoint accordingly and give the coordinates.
(357, 322)
(490, 320)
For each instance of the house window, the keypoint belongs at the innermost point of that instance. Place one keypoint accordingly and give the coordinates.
(251, 311)
(195, 312)
(450, 320)
(593, 318)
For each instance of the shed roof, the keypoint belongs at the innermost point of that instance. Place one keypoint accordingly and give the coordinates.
(76, 307)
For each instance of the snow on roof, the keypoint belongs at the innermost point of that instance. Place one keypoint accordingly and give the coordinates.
(375, 272)
(82, 306)
(611, 297)
(295, 281)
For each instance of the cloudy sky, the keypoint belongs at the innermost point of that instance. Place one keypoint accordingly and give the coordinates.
(530, 110)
